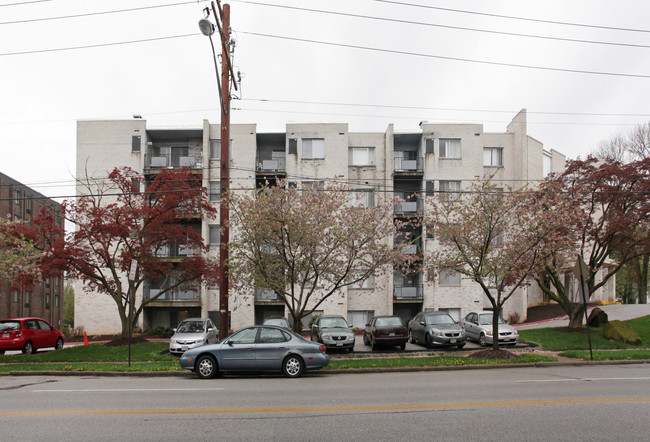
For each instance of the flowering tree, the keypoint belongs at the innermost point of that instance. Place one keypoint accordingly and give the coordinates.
(489, 235)
(608, 206)
(308, 244)
(123, 237)
(19, 257)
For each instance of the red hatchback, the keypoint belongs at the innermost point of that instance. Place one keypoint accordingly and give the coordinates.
(28, 335)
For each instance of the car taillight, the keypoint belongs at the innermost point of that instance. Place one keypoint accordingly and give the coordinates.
(377, 334)
(322, 348)
(405, 333)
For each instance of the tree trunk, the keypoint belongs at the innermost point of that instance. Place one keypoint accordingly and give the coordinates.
(496, 312)
(643, 280)
(576, 312)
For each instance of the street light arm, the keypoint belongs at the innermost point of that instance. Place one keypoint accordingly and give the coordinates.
(216, 70)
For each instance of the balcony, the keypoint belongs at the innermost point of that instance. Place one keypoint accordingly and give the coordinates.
(408, 164)
(266, 295)
(175, 251)
(271, 165)
(181, 294)
(411, 292)
(172, 160)
(408, 207)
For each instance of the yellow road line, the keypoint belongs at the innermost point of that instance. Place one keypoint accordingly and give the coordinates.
(388, 407)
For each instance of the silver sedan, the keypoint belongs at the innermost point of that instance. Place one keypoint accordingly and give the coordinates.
(254, 349)
(478, 327)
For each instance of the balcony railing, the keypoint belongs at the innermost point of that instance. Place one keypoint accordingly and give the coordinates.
(175, 251)
(172, 160)
(271, 165)
(401, 164)
(407, 292)
(189, 293)
(266, 295)
(409, 206)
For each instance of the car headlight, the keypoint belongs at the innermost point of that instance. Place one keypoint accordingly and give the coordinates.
(325, 335)
(489, 333)
(436, 333)
(172, 341)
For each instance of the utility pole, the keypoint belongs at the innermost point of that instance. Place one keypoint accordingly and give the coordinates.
(222, 18)
(224, 216)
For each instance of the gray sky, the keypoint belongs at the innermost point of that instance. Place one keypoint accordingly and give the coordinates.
(379, 61)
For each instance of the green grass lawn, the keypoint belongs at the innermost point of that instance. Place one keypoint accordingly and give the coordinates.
(144, 351)
(575, 344)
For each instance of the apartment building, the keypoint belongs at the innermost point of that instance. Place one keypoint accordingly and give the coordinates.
(413, 165)
(20, 203)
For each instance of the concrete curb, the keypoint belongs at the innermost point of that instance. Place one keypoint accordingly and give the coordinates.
(185, 373)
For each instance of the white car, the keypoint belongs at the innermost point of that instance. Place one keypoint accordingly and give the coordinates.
(191, 333)
(478, 327)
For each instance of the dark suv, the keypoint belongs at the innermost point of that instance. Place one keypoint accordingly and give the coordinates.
(334, 332)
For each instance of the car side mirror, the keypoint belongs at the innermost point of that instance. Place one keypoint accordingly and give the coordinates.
(210, 329)
(229, 342)
(422, 323)
(368, 325)
(174, 330)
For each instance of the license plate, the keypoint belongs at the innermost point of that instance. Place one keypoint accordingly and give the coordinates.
(453, 341)
(184, 348)
(5, 335)
(391, 334)
(339, 344)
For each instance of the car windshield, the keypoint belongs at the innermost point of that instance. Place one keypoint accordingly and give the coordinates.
(276, 321)
(333, 322)
(487, 320)
(9, 325)
(388, 321)
(191, 327)
(439, 319)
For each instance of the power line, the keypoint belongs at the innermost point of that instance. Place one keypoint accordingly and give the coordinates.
(511, 17)
(99, 45)
(25, 3)
(90, 14)
(441, 57)
(437, 25)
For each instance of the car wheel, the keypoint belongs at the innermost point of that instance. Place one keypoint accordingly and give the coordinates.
(292, 366)
(365, 339)
(59, 344)
(28, 348)
(2, 352)
(411, 338)
(461, 345)
(206, 367)
(403, 346)
(351, 349)
(427, 342)
(481, 340)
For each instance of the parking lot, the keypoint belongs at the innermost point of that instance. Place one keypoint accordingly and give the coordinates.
(360, 347)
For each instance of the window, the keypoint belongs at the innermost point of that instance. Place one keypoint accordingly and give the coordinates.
(271, 336)
(28, 205)
(47, 283)
(246, 336)
(14, 296)
(17, 196)
(135, 143)
(362, 198)
(368, 283)
(313, 184)
(546, 165)
(428, 146)
(214, 191)
(27, 297)
(56, 301)
(215, 150)
(313, 148)
(362, 156)
(214, 233)
(449, 148)
(47, 301)
(135, 185)
(293, 146)
(450, 188)
(449, 278)
(493, 156)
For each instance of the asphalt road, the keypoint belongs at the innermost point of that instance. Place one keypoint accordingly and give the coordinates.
(601, 402)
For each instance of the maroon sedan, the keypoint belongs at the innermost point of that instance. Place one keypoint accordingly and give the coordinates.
(385, 331)
(28, 335)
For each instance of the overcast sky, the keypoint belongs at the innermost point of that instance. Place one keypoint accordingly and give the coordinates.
(362, 62)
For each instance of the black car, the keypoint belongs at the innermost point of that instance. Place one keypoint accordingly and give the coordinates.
(385, 331)
(333, 331)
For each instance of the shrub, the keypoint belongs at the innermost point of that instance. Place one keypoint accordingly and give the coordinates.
(162, 332)
(514, 318)
(621, 332)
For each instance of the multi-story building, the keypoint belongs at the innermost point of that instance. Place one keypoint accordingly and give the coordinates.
(413, 165)
(45, 298)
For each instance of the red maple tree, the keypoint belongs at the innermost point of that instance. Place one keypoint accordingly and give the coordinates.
(123, 237)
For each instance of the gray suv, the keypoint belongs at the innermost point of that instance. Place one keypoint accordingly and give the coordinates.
(436, 328)
(333, 331)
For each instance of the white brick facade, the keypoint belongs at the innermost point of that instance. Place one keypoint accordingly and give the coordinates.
(405, 163)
